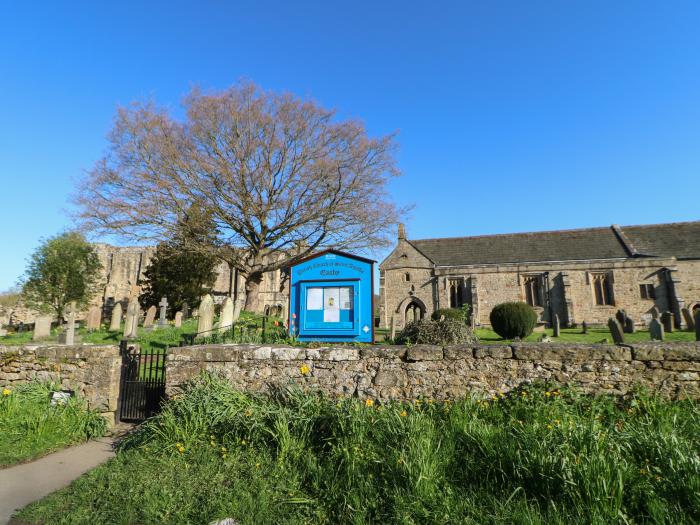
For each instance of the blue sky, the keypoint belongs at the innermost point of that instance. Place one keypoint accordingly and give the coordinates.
(512, 116)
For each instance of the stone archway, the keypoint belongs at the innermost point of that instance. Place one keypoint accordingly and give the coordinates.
(412, 309)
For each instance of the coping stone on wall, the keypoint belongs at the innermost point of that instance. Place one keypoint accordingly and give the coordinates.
(572, 353)
(424, 353)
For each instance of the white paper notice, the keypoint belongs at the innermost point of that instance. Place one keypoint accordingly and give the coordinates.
(331, 305)
(345, 298)
(314, 298)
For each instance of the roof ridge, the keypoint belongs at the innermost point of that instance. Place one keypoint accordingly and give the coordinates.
(659, 224)
(511, 234)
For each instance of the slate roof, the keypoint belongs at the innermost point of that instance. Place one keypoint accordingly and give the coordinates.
(681, 240)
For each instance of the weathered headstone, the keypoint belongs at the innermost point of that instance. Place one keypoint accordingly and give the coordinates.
(616, 331)
(226, 321)
(688, 317)
(655, 313)
(116, 321)
(150, 317)
(178, 319)
(656, 330)
(206, 314)
(68, 337)
(237, 307)
(629, 325)
(42, 327)
(667, 322)
(162, 319)
(555, 326)
(621, 317)
(131, 323)
(584, 327)
(392, 329)
(185, 311)
(697, 324)
(94, 318)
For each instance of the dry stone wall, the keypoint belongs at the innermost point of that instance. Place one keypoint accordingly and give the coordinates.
(92, 371)
(395, 372)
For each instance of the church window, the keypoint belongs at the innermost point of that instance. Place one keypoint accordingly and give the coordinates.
(533, 290)
(647, 291)
(602, 289)
(456, 288)
(407, 277)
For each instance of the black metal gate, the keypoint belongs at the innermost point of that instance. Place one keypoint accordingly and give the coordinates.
(142, 384)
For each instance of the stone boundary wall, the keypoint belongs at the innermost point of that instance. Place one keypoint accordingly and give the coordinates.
(92, 371)
(396, 372)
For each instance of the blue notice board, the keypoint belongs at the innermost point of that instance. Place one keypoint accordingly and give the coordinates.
(331, 295)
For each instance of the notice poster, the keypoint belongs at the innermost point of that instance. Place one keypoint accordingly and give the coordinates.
(314, 299)
(346, 298)
(331, 305)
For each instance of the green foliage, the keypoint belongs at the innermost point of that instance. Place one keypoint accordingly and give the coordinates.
(538, 455)
(9, 298)
(445, 332)
(457, 314)
(63, 269)
(178, 271)
(32, 427)
(510, 320)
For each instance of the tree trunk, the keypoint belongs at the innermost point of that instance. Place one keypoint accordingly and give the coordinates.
(252, 289)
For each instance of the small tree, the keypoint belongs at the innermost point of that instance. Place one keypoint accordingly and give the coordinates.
(63, 269)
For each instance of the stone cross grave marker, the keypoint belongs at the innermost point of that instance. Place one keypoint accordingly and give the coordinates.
(68, 337)
(616, 331)
(688, 316)
(206, 314)
(656, 330)
(131, 323)
(150, 317)
(555, 326)
(94, 317)
(162, 319)
(226, 315)
(667, 322)
(116, 320)
(629, 325)
(178, 319)
(42, 327)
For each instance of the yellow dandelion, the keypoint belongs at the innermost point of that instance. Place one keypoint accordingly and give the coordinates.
(369, 402)
(223, 449)
(404, 413)
(6, 392)
(547, 394)
(549, 427)
(304, 369)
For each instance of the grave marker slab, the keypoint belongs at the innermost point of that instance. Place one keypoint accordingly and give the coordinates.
(116, 320)
(629, 325)
(616, 331)
(656, 330)
(555, 326)
(132, 319)
(162, 319)
(667, 322)
(688, 317)
(150, 317)
(206, 314)
(226, 321)
(178, 319)
(94, 318)
(42, 327)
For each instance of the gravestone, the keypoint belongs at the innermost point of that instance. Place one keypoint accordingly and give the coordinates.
(178, 319)
(621, 317)
(237, 307)
(94, 317)
(656, 330)
(667, 322)
(226, 321)
(616, 331)
(116, 320)
(185, 311)
(584, 327)
(42, 327)
(688, 317)
(697, 324)
(131, 324)
(629, 325)
(206, 314)
(150, 317)
(655, 314)
(68, 337)
(555, 326)
(392, 329)
(162, 319)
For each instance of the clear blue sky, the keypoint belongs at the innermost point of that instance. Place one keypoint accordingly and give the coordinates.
(512, 115)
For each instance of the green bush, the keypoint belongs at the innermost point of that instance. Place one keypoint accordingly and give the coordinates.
(445, 332)
(456, 314)
(510, 320)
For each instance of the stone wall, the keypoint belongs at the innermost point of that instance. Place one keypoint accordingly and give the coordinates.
(92, 371)
(396, 372)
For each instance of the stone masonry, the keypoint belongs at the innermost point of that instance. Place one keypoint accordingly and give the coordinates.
(397, 372)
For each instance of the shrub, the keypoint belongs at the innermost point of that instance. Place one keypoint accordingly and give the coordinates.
(510, 320)
(445, 332)
(456, 314)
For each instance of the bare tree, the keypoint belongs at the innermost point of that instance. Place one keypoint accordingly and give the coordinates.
(278, 175)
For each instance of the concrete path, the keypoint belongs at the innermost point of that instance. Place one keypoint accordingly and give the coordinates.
(22, 484)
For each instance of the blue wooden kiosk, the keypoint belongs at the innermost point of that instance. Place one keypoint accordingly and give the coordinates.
(330, 298)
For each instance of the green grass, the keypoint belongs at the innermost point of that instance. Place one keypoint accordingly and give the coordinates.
(574, 335)
(31, 427)
(537, 456)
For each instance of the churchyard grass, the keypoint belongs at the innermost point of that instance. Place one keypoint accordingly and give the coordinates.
(537, 455)
(31, 427)
(575, 335)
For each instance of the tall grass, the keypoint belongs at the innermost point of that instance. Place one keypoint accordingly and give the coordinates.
(537, 455)
(30, 426)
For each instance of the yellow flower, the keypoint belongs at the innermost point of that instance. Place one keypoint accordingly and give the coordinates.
(369, 402)
(304, 369)
(180, 447)
(223, 449)
(6, 392)
(404, 413)
(549, 427)
(547, 394)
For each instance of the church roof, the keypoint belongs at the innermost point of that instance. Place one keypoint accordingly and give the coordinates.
(681, 240)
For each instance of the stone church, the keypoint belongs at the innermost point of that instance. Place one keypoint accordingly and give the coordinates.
(580, 275)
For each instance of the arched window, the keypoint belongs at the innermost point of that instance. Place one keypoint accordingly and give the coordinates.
(456, 293)
(414, 312)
